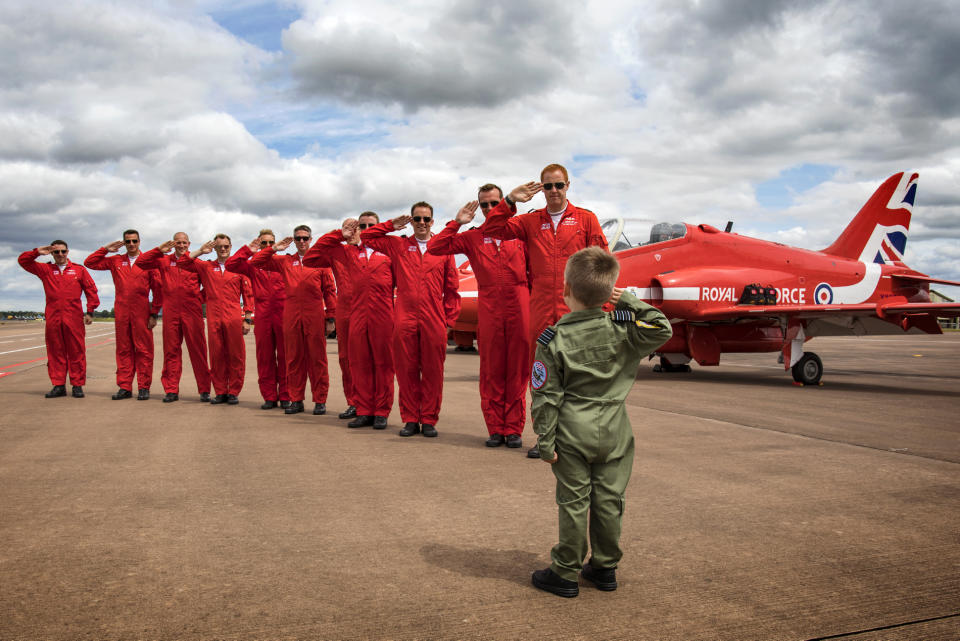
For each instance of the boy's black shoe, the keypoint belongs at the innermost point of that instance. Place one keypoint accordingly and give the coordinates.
(350, 412)
(205, 397)
(534, 452)
(78, 392)
(410, 429)
(143, 394)
(515, 440)
(319, 408)
(56, 392)
(428, 430)
(284, 404)
(495, 440)
(605, 580)
(361, 421)
(548, 580)
(295, 407)
(218, 399)
(170, 397)
(379, 422)
(268, 405)
(121, 394)
(232, 399)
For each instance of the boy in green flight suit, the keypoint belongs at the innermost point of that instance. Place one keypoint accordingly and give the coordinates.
(584, 367)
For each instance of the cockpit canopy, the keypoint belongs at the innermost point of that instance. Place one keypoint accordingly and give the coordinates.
(617, 240)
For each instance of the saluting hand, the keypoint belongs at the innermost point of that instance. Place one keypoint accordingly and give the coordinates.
(45, 250)
(283, 244)
(165, 247)
(207, 247)
(467, 212)
(254, 245)
(349, 228)
(401, 221)
(525, 192)
(114, 246)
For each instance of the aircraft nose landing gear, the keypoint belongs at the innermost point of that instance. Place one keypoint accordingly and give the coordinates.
(808, 369)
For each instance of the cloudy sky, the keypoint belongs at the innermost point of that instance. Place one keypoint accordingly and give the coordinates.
(210, 116)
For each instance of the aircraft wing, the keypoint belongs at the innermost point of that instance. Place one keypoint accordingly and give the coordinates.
(881, 310)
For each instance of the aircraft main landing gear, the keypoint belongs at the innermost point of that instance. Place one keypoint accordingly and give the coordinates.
(666, 366)
(808, 369)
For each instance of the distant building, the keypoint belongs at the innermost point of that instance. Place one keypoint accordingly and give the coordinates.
(945, 323)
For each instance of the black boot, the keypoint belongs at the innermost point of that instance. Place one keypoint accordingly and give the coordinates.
(350, 412)
(410, 429)
(549, 581)
(78, 392)
(56, 392)
(361, 421)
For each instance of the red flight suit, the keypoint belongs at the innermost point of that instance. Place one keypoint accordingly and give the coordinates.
(269, 294)
(64, 331)
(427, 303)
(132, 309)
(344, 275)
(370, 326)
(310, 300)
(547, 253)
(228, 352)
(182, 321)
(503, 310)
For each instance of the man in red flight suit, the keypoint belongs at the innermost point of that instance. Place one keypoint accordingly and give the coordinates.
(182, 318)
(135, 316)
(427, 303)
(269, 295)
(368, 332)
(64, 331)
(308, 315)
(550, 235)
(227, 322)
(503, 309)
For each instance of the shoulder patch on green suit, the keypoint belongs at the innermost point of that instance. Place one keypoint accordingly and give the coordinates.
(646, 325)
(538, 377)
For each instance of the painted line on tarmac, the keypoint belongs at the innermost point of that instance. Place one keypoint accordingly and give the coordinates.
(18, 335)
(24, 349)
(2, 374)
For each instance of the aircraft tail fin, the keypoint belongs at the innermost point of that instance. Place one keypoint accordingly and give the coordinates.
(878, 233)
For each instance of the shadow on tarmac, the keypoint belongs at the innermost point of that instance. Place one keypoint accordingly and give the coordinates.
(483, 563)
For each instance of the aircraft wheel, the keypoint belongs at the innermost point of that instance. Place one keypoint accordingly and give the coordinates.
(808, 369)
(667, 366)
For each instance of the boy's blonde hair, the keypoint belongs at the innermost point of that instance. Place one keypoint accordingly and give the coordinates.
(591, 274)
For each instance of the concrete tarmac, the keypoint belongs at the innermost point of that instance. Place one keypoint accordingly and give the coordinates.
(757, 509)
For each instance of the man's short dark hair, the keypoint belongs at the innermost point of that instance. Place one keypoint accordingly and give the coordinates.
(369, 213)
(302, 228)
(219, 236)
(60, 242)
(422, 204)
(489, 187)
(591, 274)
(132, 231)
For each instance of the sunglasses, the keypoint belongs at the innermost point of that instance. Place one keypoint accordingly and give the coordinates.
(301, 239)
(365, 225)
(58, 251)
(131, 241)
(489, 205)
(422, 219)
(266, 242)
(551, 186)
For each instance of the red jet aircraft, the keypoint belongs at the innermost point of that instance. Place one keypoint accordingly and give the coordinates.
(724, 292)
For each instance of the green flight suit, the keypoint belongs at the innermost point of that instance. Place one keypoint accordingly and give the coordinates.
(584, 367)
